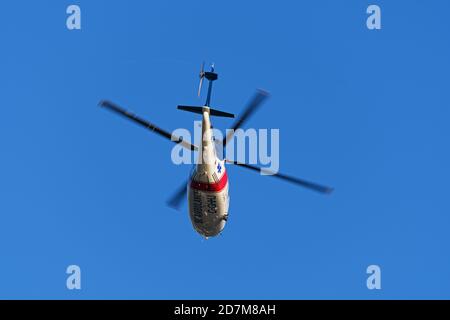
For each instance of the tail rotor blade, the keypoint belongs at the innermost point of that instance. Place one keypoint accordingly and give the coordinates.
(202, 75)
(200, 86)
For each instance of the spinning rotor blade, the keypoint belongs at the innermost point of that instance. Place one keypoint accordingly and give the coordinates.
(306, 184)
(178, 197)
(257, 100)
(115, 108)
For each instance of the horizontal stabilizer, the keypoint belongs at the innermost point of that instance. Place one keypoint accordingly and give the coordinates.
(212, 112)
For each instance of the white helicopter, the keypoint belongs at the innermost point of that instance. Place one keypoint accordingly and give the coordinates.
(207, 187)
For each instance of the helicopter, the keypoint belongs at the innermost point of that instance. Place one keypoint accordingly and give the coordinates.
(207, 187)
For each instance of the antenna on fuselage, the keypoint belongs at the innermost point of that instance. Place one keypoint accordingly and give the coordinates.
(210, 76)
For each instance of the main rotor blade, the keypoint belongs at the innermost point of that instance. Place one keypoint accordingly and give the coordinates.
(127, 114)
(253, 105)
(306, 184)
(176, 200)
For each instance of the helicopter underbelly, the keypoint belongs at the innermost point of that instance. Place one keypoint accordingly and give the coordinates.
(208, 210)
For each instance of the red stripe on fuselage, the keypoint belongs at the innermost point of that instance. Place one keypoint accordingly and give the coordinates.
(212, 187)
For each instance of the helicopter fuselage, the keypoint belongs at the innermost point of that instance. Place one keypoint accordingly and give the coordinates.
(208, 186)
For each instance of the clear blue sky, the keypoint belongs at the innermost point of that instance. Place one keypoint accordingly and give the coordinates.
(364, 111)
